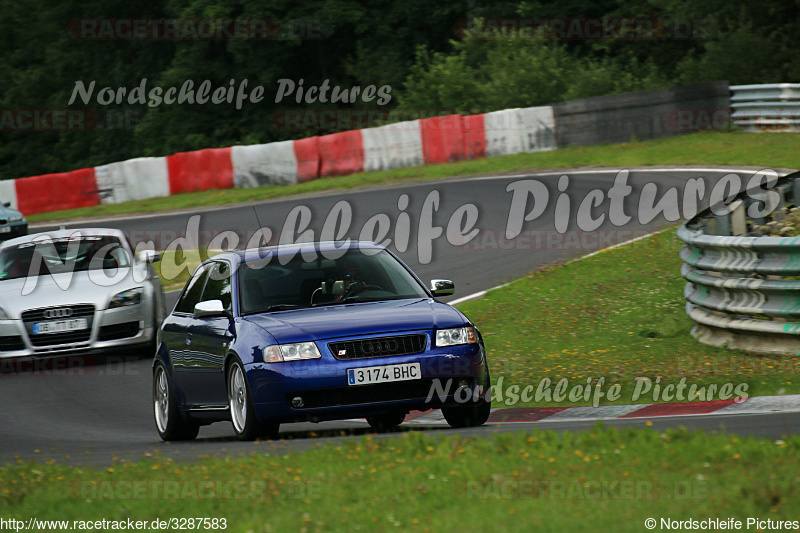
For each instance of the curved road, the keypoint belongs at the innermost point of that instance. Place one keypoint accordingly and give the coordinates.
(74, 410)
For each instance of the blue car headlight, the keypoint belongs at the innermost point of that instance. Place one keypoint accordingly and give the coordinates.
(129, 297)
(454, 336)
(291, 352)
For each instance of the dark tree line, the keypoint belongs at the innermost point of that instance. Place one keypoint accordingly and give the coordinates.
(425, 51)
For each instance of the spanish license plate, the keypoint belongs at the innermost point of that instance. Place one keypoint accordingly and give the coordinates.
(5, 229)
(383, 374)
(60, 326)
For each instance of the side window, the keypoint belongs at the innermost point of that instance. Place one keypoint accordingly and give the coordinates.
(218, 286)
(194, 289)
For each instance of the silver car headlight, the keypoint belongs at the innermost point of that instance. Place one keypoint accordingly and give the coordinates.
(15, 219)
(129, 297)
(454, 336)
(291, 352)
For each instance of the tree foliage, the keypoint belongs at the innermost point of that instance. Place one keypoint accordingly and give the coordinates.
(416, 47)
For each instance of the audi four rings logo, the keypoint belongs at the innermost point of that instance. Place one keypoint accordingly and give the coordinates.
(62, 312)
(378, 346)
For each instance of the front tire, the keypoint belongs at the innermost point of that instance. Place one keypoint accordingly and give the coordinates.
(169, 424)
(473, 413)
(246, 424)
(386, 422)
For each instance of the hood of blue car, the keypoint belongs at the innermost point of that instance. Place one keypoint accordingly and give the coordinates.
(366, 318)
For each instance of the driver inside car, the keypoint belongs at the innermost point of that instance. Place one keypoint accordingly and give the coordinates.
(352, 283)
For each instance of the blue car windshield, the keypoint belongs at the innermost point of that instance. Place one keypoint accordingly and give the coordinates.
(267, 285)
(88, 252)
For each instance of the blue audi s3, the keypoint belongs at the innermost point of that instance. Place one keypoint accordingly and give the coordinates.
(312, 332)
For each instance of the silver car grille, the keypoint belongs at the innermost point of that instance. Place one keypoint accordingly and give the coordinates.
(32, 316)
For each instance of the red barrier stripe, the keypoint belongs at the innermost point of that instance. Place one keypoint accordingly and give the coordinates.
(55, 192)
(307, 153)
(442, 139)
(200, 170)
(523, 414)
(341, 153)
(474, 136)
(675, 409)
(413, 415)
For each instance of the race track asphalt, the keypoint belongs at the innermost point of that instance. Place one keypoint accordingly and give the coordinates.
(90, 412)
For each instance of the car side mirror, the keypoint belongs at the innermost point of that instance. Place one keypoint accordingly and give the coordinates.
(149, 256)
(442, 287)
(210, 309)
(7, 204)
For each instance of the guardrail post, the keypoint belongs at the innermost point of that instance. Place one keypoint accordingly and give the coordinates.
(723, 226)
(738, 220)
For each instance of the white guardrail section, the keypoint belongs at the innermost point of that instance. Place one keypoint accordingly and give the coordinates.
(766, 107)
(743, 289)
(134, 179)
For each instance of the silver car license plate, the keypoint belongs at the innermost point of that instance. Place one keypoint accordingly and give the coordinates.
(60, 326)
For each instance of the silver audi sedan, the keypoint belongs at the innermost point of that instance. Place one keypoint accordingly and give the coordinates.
(77, 291)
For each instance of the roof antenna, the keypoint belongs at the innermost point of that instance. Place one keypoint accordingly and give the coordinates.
(260, 225)
(255, 211)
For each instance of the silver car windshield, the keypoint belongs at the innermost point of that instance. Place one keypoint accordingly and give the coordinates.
(55, 256)
(268, 285)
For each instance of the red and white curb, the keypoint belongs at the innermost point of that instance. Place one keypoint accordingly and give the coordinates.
(755, 405)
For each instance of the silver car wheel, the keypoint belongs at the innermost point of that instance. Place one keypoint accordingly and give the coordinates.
(161, 400)
(237, 398)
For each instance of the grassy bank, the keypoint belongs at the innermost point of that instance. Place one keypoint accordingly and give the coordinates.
(619, 315)
(176, 267)
(603, 480)
(711, 148)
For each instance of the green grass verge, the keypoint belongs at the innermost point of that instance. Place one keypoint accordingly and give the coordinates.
(598, 480)
(619, 315)
(175, 267)
(714, 148)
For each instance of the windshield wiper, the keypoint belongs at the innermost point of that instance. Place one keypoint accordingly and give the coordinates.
(281, 307)
(356, 299)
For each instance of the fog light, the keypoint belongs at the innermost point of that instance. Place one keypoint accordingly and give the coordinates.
(297, 402)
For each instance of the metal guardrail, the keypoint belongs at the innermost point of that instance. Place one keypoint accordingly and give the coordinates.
(743, 290)
(766, 107)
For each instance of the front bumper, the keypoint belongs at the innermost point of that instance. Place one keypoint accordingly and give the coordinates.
(14, 229)
(110, 329)
(323, 385)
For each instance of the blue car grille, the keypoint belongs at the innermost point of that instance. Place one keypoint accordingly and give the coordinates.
(378, 347)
